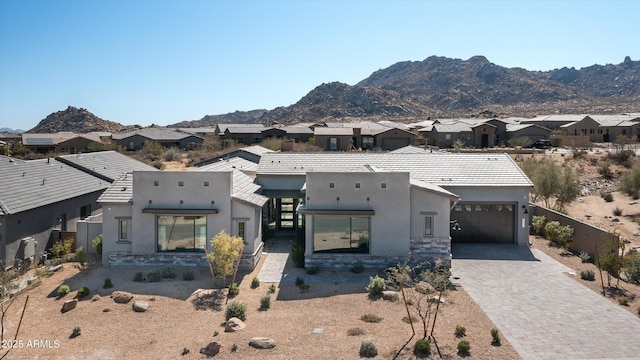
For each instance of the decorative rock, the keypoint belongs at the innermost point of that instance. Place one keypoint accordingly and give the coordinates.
(262, 343)
(55, 268)
(390, 295)
(121, 297)
(140, 306)
(95, 297)
(211, 349)
(69, 305)
(234, 324)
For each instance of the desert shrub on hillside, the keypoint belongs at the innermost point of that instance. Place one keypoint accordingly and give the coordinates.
(630, 182)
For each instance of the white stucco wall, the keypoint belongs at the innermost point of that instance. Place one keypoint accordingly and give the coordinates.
(241, 211)
(424, 202)
(111, 214)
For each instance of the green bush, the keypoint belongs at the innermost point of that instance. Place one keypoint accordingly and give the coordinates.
(304, 288)
(63, 290)
(97, 244)
(76, 331)
(584, 257)
(234, 347)
(255, 282)
(154, 276)
(587, 275)
(606, 171)
(172, 154)
(422, 347)
(631, 267)
(167, 273)
(236, 309)
(297, 254)
(139, 277)
(265, 301)
(495, 336)
(376, 285)
(537, 223)
(107, 283)
(617, 211)
(630, 182)
(357, 268)
(371, 318)
(368, 348)
(80, 255)
(83, 291)
(624, 301)
(464, 347)
(557, 234)
(62, 247)
(234, 289)
(299, 281)
(188, 275)
(460, 331)
(272, 288)
(608, 197)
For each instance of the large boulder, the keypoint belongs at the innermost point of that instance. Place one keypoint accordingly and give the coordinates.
(140, 306)
(262, 343)
(121, 297)
(211, 349)
(69, 305)
(234, 324)
(390, 295)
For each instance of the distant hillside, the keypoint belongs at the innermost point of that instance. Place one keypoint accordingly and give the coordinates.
(7, 130)
(444, 87)
(77, 120)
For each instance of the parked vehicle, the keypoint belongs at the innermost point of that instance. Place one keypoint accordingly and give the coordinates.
(541, 144)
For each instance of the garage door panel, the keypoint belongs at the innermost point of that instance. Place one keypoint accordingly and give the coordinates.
(484, 223)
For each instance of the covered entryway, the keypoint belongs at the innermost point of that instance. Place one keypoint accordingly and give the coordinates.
(483, 223)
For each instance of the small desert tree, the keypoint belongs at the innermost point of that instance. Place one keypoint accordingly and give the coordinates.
(612, 259)
(630, 182)
(551, 182)
(422, 290)
(225, 252)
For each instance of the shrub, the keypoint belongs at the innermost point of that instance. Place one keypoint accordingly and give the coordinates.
(83, 291)
(557, 234)
(355, 331)
(138, 277)
(587, 275)
(76, 331)
(464, 346)
(422, 347)
(376, 285)
(234, 347)
(255, 282)
(368, 348)
(630, 182)
(272, 288)
(63, 290)
(107, 283)
(188, 275)
(234, 289)
(154, 276)
(80, 255)
(62, 247)
(312, 270)
(371, 318)
(617, 211)
(167, 273)
(631, 266)
(185, 351)
(297, 254)
(304, 288)
(357, 268)
(584, 257)
(608, 197)
(538, 222)
(97, 244)
(265, 301)
(299, 281)
(495, 336)
(624, 301)
(605, 170)
(236, 309)
(172, 154)
(460, 331)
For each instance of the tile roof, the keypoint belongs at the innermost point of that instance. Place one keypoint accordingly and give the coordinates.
(120, 191)
(256, 150)
(518, 127)
(452, 127)
(230, 164)
(106, 164)
(410, 149)
(154, 134)
(26, 185)
(337, 131)
(442, 169)
(56, 138)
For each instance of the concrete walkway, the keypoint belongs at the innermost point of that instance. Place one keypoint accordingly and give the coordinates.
(542, 312)
(277, 250)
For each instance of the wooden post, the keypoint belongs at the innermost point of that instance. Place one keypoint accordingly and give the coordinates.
(233, 279)
(206, 254)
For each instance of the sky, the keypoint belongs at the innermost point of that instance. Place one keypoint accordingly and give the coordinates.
(164, 61)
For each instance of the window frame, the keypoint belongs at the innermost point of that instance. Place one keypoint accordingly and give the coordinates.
(362, 246)
(126, 237)
(428, 226)
(194, 234)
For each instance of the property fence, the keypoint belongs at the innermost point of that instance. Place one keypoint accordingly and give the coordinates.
(585, 236)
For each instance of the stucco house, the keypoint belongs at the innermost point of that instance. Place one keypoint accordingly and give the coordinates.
(159, 218)
(134, 140)
(493, 196)
(62, 142)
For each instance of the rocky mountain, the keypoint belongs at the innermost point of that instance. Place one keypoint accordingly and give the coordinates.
(445, 87)
(8, 130)
(77, 120)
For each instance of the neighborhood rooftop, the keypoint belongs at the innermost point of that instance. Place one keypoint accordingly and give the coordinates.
(105, 164)
(442, 169)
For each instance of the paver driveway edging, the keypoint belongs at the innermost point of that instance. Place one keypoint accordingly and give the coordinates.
(541, 311)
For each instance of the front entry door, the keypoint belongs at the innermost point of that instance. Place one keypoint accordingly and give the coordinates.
(287, 218)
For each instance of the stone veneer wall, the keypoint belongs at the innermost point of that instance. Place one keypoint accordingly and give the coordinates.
(423, 251)
(247, 261)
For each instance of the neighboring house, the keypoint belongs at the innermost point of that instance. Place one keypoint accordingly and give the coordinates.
(41, 199)
(254, 134)
(363, 135)
(553, 122)
(586, 126)
(63, 142)
(134, 140)
(251, 153)
(493, 192)
(612, 126)
(531, 131)
(201, 131)
(229, 164)
(168, 218)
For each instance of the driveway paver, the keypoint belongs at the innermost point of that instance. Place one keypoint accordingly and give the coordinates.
(542, 312)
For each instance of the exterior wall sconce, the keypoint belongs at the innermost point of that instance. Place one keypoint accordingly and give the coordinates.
(455, 226)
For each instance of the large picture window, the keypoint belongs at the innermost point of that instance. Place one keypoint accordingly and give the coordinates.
(341, 234)
(181, 233)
